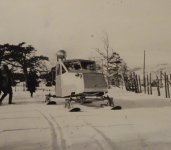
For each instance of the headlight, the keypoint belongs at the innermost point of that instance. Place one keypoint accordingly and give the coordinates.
(77, 74)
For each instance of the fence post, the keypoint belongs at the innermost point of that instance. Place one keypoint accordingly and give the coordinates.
(135, 82)
(137, 85)
(150, 85)
(144, 85)
(158, 86)
(168, 92)
(140, 84)
(147, 85)
(160, 79)
(165, 84)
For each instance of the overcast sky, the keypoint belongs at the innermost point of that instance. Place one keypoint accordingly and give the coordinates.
(77, 26)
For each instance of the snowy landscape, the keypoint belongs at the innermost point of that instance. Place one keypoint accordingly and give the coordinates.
(67, 48)
(143, 123)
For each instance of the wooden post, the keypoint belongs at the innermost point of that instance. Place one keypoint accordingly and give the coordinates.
(137, 84)
(168, 92)
(150, 85)
(165, 84)
(158, 86)
(132, 86)
(126, 84)
(160, 79)
(147, 85)
(144, 74)
(140, 84)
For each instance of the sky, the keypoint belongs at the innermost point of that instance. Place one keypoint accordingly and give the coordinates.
(77, 26)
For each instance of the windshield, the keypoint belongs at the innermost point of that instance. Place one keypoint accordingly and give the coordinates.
(77, 65)
(88, 66)
(72, 66)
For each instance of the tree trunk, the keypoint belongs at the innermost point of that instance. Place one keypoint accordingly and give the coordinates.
(0, 62)
(25, 74)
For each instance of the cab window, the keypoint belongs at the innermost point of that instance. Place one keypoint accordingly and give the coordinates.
(72, 66)
(88, 66)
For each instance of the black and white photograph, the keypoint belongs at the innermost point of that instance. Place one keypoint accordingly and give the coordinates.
(85, 75)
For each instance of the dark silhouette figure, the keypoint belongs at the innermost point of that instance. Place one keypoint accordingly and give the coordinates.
(31, 82)
(0, 81)
(6, 83)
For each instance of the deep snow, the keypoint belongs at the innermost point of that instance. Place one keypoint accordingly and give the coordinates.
(143, 123)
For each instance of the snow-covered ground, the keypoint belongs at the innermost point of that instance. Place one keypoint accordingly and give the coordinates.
(143, 123)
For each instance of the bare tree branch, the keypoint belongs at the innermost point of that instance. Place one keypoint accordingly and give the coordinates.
(102, 54)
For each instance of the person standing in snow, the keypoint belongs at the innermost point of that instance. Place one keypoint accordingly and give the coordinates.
(6, 84)
(31, 82)
(0, 81)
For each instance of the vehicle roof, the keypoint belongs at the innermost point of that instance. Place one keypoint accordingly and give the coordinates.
(81, 60)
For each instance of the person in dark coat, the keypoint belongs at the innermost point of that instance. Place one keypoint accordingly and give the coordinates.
(6, 83)
(0, 80)
(31, 82)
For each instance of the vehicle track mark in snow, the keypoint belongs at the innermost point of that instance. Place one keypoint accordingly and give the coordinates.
(95, 141)
(20, 118)
(64, 137)
(59, 116)
(53, 133)
(115, 125)
(87, 115)
(22, 129)
(15, 112)
(98, 143)
(107, 144)
(63, 142)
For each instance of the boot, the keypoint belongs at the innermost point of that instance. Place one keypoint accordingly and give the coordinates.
(32, 94)
(10, 98)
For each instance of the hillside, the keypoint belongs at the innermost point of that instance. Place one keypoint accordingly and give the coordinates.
(154, 70)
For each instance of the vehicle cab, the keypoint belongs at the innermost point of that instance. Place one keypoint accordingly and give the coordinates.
(79, 77)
